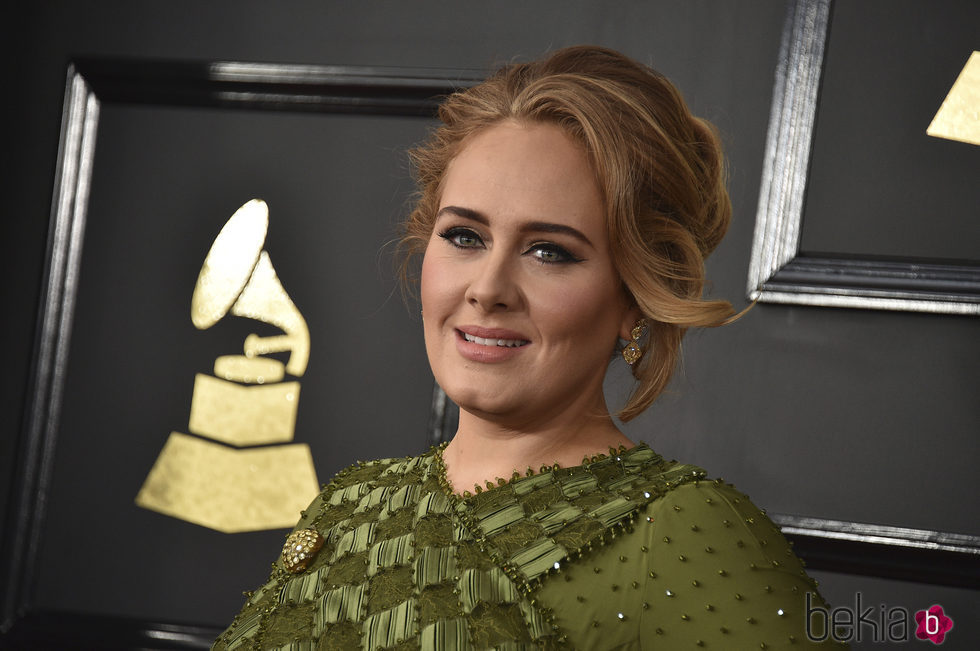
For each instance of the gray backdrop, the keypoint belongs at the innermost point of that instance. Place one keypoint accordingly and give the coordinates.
(835, 413)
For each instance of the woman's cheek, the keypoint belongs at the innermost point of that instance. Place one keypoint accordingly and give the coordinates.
(440, 285)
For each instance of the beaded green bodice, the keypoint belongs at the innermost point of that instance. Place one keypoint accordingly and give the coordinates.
(408, 564)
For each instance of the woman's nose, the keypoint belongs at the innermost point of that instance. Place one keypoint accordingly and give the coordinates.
(493, 285)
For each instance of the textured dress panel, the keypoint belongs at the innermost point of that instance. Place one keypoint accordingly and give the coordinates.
(626, 551)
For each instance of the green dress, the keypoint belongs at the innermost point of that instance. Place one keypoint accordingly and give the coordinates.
(627, 551)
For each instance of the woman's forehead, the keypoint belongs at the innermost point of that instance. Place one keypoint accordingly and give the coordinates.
(528, 171)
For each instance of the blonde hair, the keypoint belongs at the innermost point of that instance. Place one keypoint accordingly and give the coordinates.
(660, 169)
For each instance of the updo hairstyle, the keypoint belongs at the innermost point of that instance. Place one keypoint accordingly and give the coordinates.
(661, 172)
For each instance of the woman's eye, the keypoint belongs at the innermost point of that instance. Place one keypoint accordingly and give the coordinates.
(551, 254)
(462, 238)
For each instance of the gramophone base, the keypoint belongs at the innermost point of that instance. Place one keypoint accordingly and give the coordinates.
(227, 489)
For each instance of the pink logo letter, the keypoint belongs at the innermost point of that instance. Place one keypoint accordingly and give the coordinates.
(933, 624)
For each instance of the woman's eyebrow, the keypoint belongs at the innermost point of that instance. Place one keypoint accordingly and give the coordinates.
(527, 227)
(548, 227)
(465, 213)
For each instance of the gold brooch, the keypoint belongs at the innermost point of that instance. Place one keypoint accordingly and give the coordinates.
(300, 549)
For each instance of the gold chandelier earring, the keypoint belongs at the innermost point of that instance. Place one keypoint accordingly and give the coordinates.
(632, 351)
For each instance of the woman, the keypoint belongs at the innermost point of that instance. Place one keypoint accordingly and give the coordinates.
(564, 205)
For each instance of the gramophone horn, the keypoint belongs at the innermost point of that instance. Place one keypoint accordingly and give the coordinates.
(238, 277)
(229, 264)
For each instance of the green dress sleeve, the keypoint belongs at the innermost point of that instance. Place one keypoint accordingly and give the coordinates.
(722, 575)
(702, 568)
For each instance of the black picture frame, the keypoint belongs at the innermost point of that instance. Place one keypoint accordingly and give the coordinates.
(779, 272)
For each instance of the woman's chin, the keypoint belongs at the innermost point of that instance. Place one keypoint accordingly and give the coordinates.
(484, 403)
(479, 404)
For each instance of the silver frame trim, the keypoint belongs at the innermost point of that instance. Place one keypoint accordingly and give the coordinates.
(778, 273)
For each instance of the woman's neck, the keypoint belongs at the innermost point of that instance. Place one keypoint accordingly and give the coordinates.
(484, 450)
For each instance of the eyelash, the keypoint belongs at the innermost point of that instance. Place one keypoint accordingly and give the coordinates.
(453, 236)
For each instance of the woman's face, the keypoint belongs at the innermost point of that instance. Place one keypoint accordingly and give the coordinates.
(522, 306)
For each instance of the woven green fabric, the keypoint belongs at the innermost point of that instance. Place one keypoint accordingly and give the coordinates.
(626, 552)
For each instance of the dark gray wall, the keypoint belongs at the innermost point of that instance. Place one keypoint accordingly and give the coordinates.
(845, 414)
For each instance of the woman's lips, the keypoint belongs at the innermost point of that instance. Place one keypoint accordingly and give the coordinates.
(489, 344)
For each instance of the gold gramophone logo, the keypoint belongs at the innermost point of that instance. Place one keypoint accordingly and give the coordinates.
(958, 117)
(240, 472)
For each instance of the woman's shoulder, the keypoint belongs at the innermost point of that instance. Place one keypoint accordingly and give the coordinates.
(700, 564)
(717, 521)
(686, 515)
(708, 523)
(684, 499)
